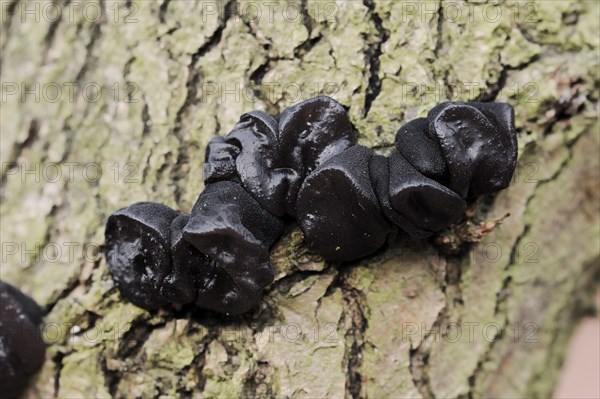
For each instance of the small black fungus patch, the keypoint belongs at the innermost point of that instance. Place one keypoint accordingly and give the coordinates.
(21, 346)
(304, 164)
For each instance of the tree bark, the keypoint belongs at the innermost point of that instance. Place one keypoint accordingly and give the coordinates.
(483, 309)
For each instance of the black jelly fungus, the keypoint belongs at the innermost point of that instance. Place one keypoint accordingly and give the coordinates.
(138, 251)
(29, 307)
(425, 203)
(22, 348)
(228, 204)
(303, 163)
(338, 210)
(423, 152)
(223, 294)
(379, 170)
(479, 154)
(219, 162)
(258, 164)
(191, 270)
(229, 226)
(312, 131)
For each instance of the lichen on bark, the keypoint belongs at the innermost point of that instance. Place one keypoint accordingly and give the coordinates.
(175, 73)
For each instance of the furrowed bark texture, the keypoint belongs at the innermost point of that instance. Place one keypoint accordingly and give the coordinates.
(410, 321)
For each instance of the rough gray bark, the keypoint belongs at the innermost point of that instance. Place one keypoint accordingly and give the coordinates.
(411, 321)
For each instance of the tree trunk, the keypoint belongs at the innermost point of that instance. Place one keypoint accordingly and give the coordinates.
(107, 103)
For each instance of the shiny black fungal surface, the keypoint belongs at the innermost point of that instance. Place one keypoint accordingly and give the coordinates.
(310, 132)
(338, 210)
(21, 346)
(424, 153)
(425, 204)
(229, 226)
(313, 131)
(138, 251)
(304, 163)
(219, 162)
(379, 170)
(191, 270)
(480, 152)
(259, 165)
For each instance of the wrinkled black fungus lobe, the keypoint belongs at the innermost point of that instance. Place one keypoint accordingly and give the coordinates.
(219, 161)
(22, 348)
(480, 152)
(138, 251)
(338, 210)
(191, 272)
(424, 203)
(423, 152)
(313, 131)
(229, 226)
(258, 165)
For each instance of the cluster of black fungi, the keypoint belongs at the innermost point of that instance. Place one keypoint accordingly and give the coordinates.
(304, 164)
